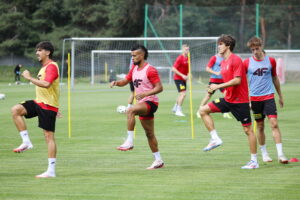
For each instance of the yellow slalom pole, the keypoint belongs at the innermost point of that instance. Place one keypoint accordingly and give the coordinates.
(69, 95)
(254, 127)
(191, 96)
(106, 72)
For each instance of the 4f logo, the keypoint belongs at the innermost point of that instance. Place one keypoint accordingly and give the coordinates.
(137, 82)
(260, 71)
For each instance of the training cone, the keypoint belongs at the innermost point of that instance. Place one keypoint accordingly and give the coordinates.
(293, 160)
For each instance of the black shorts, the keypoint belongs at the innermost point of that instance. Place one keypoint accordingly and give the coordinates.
(47, 118)
(261, 109)
(241, 111)
(181, 85)
(131, 86)
(221, 89)
(152, 108)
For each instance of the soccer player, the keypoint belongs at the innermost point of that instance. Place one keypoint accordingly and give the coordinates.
(147, 84)
(236, 99)
(213, 67)
(181, 70)
(17, 71)
(45, 106)
(261, 71)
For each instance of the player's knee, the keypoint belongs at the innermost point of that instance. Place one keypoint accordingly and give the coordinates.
(274, 125)
(248, 131)
(203, 111)
(49, 136)
(183, 94)
(16, 110)
(149, 134)
(260, 128)
(131, 111)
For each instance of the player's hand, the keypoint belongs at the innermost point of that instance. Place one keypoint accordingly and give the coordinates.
(139, 96)
(211, 88)
(59, 115)
(281, 102)
(26, 74)
(218, 73)
(112, 84)
(184, 77)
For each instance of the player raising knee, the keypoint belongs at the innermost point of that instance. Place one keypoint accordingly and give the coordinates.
(236, 99)
(147, 84)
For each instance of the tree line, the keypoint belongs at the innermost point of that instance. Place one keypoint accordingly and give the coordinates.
(26, 22)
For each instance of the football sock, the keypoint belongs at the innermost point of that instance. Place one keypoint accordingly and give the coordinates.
(25, 137)
(157, 156)
(254, 157)
(129, 105)
(178, 107)
(130, 136)
(214, 135)
(51, 166)
(279, 149)
(263, 149)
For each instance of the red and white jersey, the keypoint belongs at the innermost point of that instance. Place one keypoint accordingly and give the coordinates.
(143, 80)
(231, 68)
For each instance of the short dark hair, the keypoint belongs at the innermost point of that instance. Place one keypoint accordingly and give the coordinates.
(46, 45)
(141, 47)
(228, 40)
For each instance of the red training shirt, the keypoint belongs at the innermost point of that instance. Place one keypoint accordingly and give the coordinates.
(182, 65)
(231, 68)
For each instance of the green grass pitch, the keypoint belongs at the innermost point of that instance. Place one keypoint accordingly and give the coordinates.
(90, 167)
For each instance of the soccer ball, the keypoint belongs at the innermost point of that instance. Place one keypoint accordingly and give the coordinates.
(121, 109)
(2, 96)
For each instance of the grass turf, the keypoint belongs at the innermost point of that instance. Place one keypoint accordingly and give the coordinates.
(89, 166)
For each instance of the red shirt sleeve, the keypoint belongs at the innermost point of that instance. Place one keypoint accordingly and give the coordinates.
(273, 63)
(211, 61)
(237, 67)
(152, 75)
(178, 61)
(51, 73)
(129, 75)
(246, 65)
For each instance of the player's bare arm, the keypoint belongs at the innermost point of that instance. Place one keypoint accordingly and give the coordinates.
(119, 83)
(232, 82)
(179, 73)
(41, 83)
(278, 90)
(157, 89)
(208, 69)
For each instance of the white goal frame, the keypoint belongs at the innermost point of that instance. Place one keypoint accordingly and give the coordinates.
(145, 40)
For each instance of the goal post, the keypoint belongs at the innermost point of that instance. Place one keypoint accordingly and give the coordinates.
(86, 55)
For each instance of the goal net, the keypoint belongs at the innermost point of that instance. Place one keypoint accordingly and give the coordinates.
(108, 65)
(99, 60)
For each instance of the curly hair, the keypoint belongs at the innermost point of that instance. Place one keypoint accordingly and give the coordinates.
(46, 45)
(228, 40)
